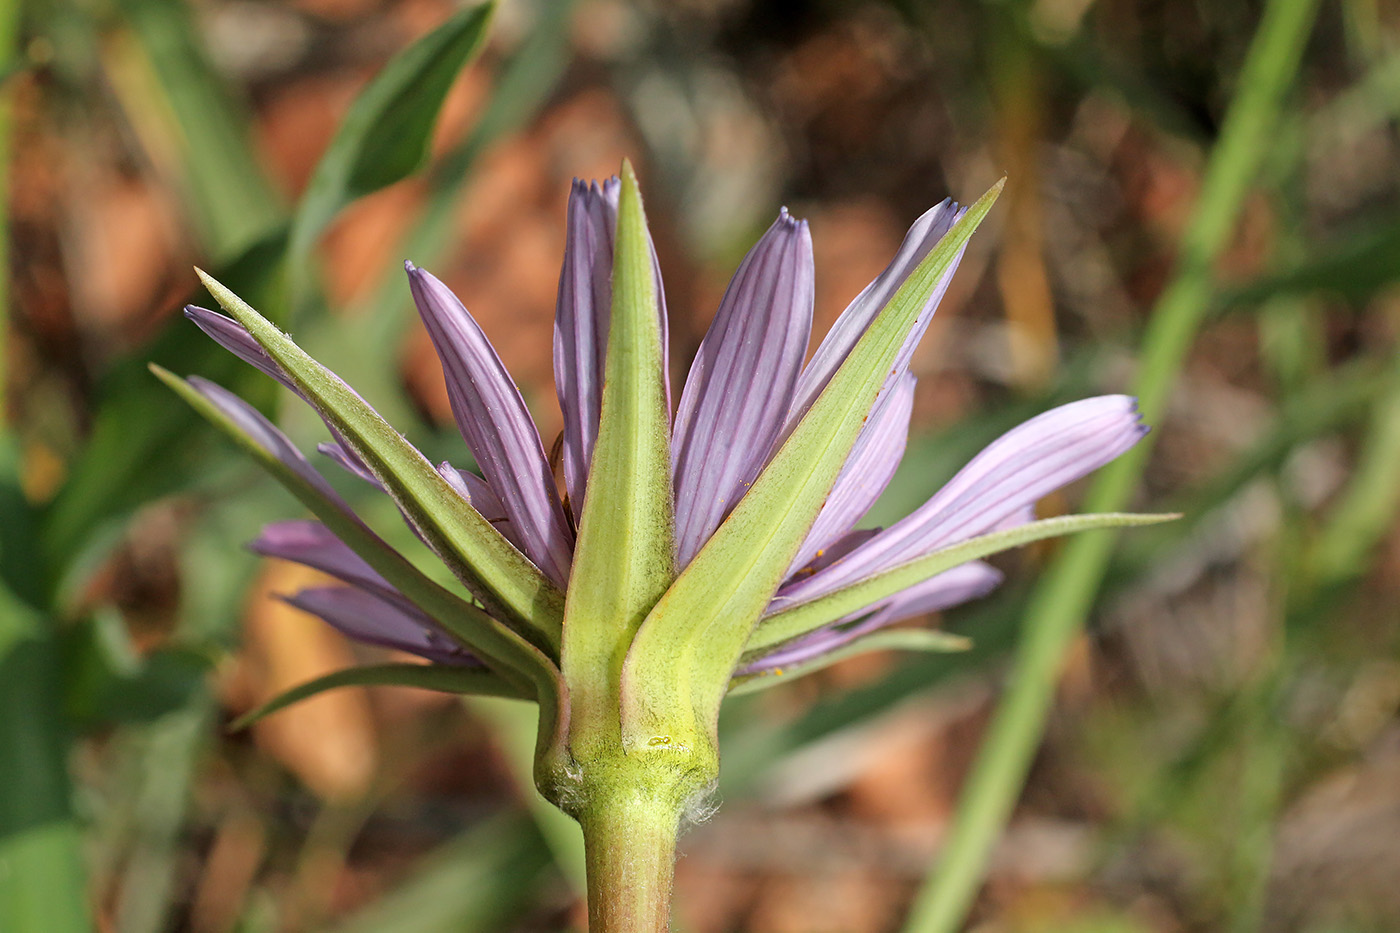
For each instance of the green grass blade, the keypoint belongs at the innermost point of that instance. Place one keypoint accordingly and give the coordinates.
(625, 556)
(384, 137)
(687, 648)
(799, 620)
(1066, 592)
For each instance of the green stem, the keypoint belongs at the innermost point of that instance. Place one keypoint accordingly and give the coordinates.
(1058, 608)
(630, 844)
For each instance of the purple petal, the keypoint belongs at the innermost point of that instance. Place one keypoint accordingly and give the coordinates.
(856, 319)
(496, 425)
(233, 337)
(347, 461)
(312, 544)
(966, 582)
(740, 386)
(479, 496)
(997, 489)
(266, 435)
(581, 320)
(969, 581)
(581, 323)
(868, 470)
(825, 557)
(368, 618)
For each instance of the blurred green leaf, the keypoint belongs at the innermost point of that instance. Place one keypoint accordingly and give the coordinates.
(479, 883)
(366, 355)
(107, 682)
(142, 446)
(173, 93)
(1355, 269)
(42, 886)
(1067, 590)
(384, 136)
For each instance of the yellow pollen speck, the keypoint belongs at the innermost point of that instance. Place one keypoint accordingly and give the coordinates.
(659, 740)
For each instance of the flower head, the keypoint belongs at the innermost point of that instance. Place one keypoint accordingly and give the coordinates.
(747, 396)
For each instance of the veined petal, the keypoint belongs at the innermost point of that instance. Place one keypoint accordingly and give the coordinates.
(970, 581)
(581, 325)
(480, 496)
(267, 435)
(853, 322)
(313, 545)
(234, 338)
(950, 588)
(347, 461)
(868, 470)
(368, 618)
(740, 386)
(496, 425)
(996, 489)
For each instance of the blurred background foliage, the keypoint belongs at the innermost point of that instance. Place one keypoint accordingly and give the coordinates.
(1223, 752)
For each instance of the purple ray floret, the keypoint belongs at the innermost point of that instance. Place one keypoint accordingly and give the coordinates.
(496, 425)
(581, 318)
(922, 237)
(740, 386)
(1004, 480)
(366, 617)
(867, 472)
(948, 589)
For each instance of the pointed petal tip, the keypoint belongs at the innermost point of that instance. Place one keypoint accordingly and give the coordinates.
(211, 283)
(409, 267)
(787, 223)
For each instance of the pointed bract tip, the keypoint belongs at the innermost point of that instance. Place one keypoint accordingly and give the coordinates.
(628, 176)
(409, 267)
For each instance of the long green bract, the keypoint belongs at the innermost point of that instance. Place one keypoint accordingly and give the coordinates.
(503, 579)
(895, 639)
(687, 647)
(810, 616)
(499, 647)
(624, 559)
(444, 678)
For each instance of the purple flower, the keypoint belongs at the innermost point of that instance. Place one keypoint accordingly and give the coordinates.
(743, 395)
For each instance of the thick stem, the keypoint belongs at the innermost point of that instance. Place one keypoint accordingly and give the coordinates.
(630, 840)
